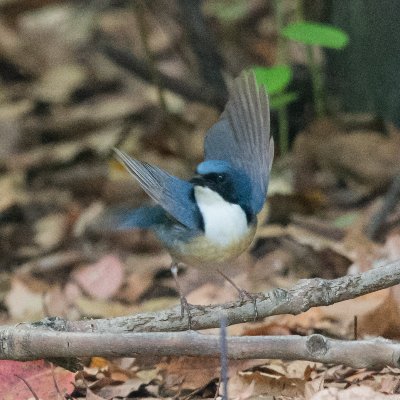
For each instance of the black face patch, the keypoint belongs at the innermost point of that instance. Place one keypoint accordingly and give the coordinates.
(223, 184)
(220, 183)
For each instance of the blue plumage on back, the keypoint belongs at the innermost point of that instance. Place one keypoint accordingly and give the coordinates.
(142, 217)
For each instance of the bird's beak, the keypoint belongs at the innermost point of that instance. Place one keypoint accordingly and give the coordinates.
(198, 180)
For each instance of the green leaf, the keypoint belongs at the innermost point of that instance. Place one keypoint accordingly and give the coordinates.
(275, 78)
(316, 34)
(283, 99)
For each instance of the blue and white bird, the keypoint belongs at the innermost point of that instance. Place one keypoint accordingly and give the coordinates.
(212, 218)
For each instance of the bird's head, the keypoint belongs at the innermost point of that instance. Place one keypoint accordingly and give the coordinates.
(220, 177)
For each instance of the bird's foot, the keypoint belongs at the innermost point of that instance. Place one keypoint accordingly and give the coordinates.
(245, 295)
(185, 306)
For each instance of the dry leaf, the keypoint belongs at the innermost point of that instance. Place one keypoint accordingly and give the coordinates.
(365, 160)
(50, 231)
(38, 374)
(136, 284)
(378, 314)
(101, 280)
(57, 83)
(353, 393)
(389, 384)
(272, 386)
(98, 362)
(92, 396)
(359, 376)
(122, 390)
(23, 303)
(313, 387)
(189, 372)
(297, 369)
(238, 389)
(195, 372)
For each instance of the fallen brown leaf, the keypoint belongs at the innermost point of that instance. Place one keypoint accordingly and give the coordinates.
(359, 376)
(194, 372)
(265, 385)
(24, 303)
(314, 386)
(365, 160)
(50, 231)
(383, 319)
(189, 372)
(90, 395)
(39, 375)
(102, 279)
(122, 390)
(353, 393)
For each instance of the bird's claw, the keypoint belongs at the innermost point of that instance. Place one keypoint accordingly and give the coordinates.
(245, 295)
(186, 306)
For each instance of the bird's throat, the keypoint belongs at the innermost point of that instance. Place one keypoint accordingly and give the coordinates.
(224, 223)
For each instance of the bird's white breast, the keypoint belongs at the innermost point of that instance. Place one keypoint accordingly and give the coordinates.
(224, 223)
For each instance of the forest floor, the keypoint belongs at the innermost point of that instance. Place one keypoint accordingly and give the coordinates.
(60, 119)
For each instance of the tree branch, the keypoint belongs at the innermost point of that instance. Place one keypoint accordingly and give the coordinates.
(57, 338)
(20, 344)
(304, 295)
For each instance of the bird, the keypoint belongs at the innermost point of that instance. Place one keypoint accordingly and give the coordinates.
(212, 218)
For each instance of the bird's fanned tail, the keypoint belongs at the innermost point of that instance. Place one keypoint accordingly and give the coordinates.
(242, 135)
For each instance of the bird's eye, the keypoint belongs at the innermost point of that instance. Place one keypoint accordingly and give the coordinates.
(220, 178)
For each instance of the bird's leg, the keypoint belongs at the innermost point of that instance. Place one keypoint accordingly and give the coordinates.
(243, 294)
(184, 303)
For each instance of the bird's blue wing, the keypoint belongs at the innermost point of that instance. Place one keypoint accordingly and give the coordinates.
(123, 218)
(242, 136)
(174, 195)
(142, 217)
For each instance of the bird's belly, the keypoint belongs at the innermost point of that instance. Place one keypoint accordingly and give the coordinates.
(202, 252)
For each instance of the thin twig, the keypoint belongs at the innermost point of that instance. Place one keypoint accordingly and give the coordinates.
(355, 327)
(29, 387)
